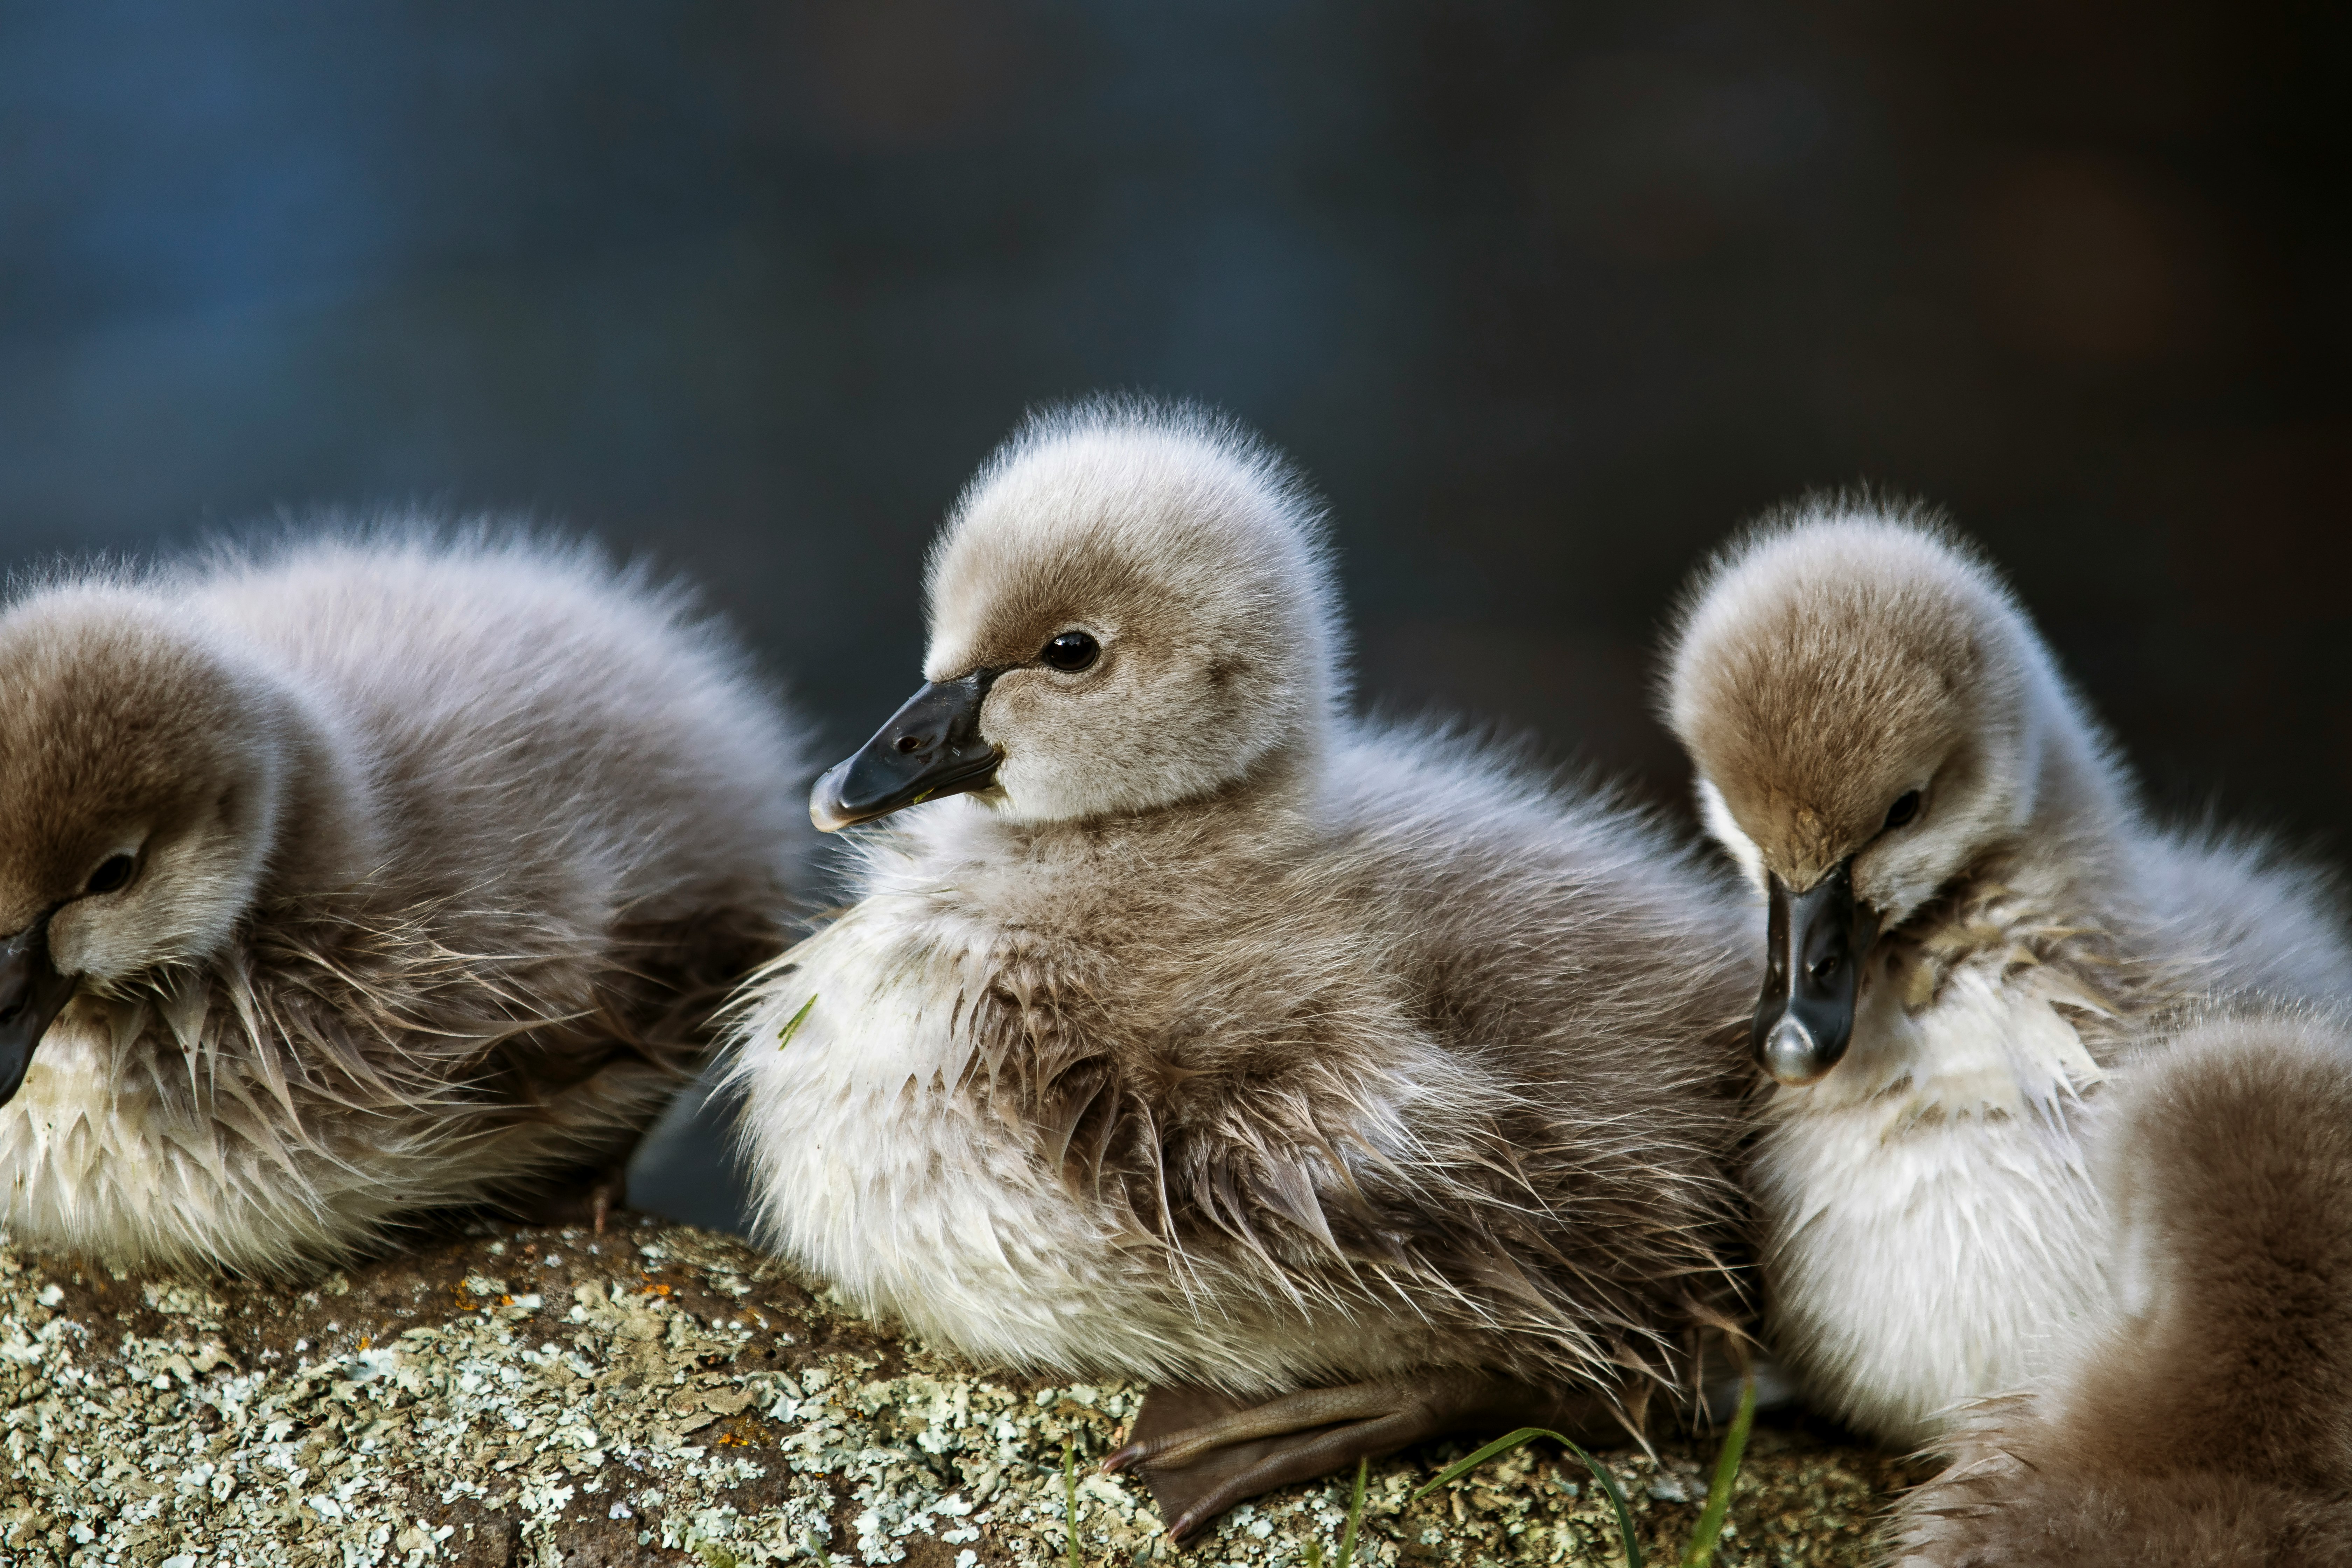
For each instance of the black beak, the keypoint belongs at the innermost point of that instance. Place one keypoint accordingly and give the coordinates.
(929, 748)
(1817, 940)
(32, 993)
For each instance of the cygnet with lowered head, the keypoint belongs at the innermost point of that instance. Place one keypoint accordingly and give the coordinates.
(2204, 1417)
(352, 878)
(1969, 917)
(1211, 1037)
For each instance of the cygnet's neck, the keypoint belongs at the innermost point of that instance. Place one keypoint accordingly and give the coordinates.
(1264, 815)
(2063, 859)
(325, 836)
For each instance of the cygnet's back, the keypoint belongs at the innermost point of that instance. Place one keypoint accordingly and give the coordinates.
(1209, 1037)
(2203, 1419)
(547, 734)
(364, 876)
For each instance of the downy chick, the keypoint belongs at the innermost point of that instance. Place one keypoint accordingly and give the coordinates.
(1210, 1037)
(358, 877)
(2203, 1419)
(1969, 917)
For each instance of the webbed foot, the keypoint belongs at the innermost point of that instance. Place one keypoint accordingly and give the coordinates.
(1201, 1452)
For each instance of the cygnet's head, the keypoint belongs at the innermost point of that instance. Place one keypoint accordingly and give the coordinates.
(1130, 606)
(1868, 711)
(139, 777)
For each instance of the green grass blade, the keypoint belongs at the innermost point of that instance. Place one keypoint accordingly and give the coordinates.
(1726, 1471)
(784, 1035)
(1525, 1435)
(1355, 1516)
(1070, 1493)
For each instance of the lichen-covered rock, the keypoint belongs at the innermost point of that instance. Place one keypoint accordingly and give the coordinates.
(666, 1395)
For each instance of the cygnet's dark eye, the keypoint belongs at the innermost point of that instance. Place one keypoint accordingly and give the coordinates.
(1906, 807)
(113, 875)
(1072, 651)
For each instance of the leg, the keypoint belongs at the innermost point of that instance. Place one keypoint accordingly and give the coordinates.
(604, 1195)
(1201, 1452)
(589, 1193)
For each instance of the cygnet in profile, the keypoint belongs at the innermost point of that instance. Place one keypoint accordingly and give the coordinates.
(358, 877)
(2203, 1419)
(1208, 1036)
(1970, 917)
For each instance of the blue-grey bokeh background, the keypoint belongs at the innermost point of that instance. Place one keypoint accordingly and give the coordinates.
(1547, 297)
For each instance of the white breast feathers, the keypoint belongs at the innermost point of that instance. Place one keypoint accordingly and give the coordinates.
(1933, 1218)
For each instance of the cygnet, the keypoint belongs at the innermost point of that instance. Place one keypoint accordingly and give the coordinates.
(1187, 1030)
(2204, 1419)
(350, 878)
(1969, 917)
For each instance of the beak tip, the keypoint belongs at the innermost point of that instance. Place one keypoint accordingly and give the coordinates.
(826, 806)
(1791, 1056)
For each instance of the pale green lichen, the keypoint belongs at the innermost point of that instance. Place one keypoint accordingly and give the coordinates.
(666, 1395)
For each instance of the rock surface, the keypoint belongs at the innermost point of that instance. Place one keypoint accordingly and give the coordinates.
(666, 1395)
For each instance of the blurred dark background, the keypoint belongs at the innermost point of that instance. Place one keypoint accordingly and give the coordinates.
(1547, 297)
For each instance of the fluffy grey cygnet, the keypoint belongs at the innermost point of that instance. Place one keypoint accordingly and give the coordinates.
(356, 877)
(1209, 1037)
(2203, 1419)
(1971, 918)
